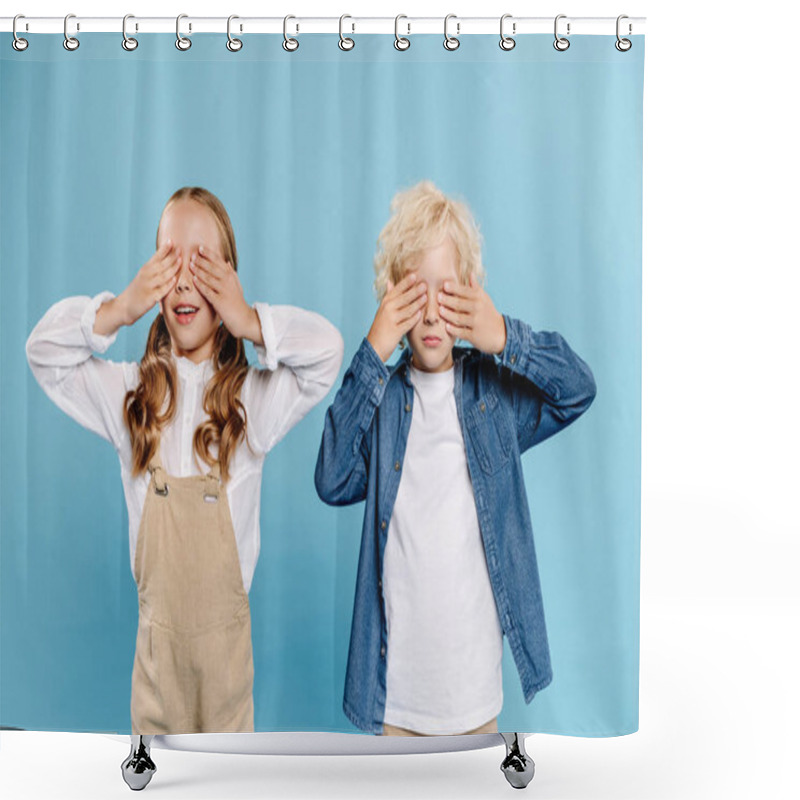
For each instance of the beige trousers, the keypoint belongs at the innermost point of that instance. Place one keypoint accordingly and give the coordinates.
(391, 730)
(193, 668)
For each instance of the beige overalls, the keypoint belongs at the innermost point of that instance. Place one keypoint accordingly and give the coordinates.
(193, 668)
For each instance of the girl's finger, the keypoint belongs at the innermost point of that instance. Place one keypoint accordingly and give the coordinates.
(212, 259)
(205, 272)
(167, 263)
(168, 270)
(204, 288)
(161, 290)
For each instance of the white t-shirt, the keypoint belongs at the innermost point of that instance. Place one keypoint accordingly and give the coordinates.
(301, 358)
(444, 641)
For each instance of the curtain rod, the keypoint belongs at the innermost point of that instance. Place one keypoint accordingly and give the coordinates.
(514, 26)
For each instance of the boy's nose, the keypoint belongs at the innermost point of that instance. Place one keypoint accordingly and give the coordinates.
(431, 307)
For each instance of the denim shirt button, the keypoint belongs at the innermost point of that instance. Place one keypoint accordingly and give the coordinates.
(396, 466)
(483, 406)
(383, 524)
(383, 651)
(380, 381)
(513, 359)
(408, 407)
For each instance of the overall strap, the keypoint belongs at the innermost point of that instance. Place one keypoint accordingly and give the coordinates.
(156, 470)
(214, 481)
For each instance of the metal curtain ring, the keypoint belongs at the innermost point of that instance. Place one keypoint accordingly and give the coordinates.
(561, 43)
(233, 44)
(181, 42)
(345, 42)
(507, 42)
(289, 44)
(400, 42)
(451, 42)
(18, 43)
(623, 45)
(70, 42)
(128, 42)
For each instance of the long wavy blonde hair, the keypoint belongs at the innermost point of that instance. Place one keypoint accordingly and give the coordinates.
(152, 404)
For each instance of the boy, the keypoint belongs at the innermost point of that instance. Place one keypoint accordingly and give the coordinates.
(433, 443)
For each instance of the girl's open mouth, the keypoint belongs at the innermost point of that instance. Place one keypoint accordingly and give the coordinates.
(185, 314)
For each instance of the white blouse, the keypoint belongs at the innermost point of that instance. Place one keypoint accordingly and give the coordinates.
(301, 358)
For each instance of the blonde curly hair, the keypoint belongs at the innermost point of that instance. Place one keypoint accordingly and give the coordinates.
(422, 217)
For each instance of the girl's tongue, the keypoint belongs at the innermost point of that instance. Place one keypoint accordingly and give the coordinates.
(185, 314)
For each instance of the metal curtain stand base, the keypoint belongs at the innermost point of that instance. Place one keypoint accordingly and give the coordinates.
(518, 767)
(138, 768)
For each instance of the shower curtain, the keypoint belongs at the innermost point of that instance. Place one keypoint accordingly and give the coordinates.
(306, 150)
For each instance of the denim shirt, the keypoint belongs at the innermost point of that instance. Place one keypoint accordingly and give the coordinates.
(506, 403)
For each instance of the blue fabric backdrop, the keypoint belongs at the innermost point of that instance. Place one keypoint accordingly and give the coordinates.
(306, 151)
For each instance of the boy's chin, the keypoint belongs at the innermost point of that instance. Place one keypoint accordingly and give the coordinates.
(431, 362)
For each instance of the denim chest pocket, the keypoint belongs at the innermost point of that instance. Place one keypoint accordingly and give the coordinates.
(490, 433)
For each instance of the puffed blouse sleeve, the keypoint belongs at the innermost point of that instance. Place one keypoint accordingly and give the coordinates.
(298, 364)
(62, 352)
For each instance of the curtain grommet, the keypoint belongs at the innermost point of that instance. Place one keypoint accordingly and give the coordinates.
(507, 42)
(181, 42)
(345, 42)
(129, 43)
(623, 45)
(233, 44)
(561, 43)
(290, 44)
(70, 42)
(18, 43)
(451, 43)
(401, 43)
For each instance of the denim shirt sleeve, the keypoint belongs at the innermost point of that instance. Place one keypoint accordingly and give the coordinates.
(551, 386)
(340, 476)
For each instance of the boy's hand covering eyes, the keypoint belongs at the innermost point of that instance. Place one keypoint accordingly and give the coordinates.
(469, 314)
(400, 309)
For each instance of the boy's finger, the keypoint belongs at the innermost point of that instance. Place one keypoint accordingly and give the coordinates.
(454, 301)
(459, 333)
(454, 317)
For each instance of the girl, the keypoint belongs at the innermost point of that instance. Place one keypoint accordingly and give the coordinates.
(191, 423)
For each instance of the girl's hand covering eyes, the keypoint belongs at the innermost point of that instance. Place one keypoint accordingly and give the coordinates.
(153, 281)
(218, 282)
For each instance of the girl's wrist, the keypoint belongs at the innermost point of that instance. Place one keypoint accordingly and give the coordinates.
(110, 317)
(251, 329)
